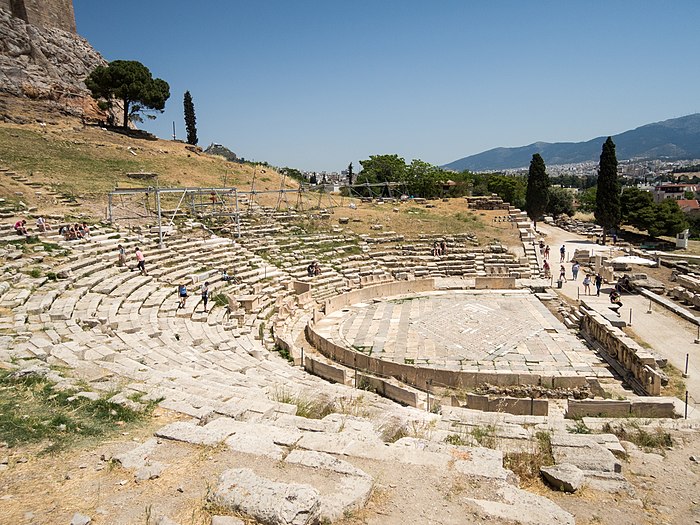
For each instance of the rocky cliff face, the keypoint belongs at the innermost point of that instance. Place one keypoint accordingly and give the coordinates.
(46, 63)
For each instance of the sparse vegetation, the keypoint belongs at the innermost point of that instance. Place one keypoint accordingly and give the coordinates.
(579, 427)
(456, 439)
(284, 353)
(32, 411)
(393, 430)
(485, 436)
(306, 406)
(656, 440)
(219, 299)
(526, 465)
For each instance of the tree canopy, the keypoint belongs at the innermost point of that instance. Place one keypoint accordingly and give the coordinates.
(639, 210)
(382, 168)
(607, 206)
(537, 193)
(561, 202)
(132, 84)
(190, 119)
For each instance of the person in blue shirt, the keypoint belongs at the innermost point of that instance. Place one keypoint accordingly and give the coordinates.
(182, 292)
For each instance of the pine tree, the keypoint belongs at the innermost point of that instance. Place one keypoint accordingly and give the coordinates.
(190, 120)
(537, 193)
(607, 203)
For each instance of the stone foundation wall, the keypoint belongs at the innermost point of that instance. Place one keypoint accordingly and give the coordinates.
(486, 202)
(389, 289)
(494, 283)
(638, 366)
(324, 370)
(509, 405)
(657, 407)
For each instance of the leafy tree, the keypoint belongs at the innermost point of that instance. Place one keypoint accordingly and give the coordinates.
(639, 210)
(636, 207)
(424, 180)
(669, 219)
(313, 179)
(537, 193)
(190, 120)
(561, 202)
(131, 83)
(509, 188)
(607, 206)
(587, 199)
(383, 168)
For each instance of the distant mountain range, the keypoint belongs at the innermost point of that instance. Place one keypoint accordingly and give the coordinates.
(672, 139)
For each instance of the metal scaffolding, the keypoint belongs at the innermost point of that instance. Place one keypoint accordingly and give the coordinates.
(226, 201)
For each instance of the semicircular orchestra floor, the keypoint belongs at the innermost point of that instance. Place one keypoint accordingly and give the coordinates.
(470, 330)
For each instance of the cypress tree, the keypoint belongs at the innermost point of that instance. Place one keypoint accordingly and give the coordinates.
(607, 202)
(537, 193)
(350, 174)
(190, 120)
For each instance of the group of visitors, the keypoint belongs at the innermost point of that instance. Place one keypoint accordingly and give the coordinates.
(439, 248)
(589, 279)
(544, 250)
(70, 232)
(313, 269)
(74, 232)
(140, 258)
(182, 294)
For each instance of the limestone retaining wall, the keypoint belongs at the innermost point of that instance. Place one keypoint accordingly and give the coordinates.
(389, 289)
(386, 389)
(324, 370)
(636, 364)
(494, 283)
(510, 405)
(657, 407)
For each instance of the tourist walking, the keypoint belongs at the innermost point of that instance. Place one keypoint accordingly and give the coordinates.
(182, 294)
(562, 274)
(574, 270)
(205, 294)
(140, 261)
(587, 285)
(546, 252)
(562, 253)
(598, 284)
(547, 270)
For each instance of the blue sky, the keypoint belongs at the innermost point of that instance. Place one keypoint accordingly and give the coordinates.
(317, 84)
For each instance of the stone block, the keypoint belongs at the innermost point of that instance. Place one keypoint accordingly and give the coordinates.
(326, 371)
(597, 408)
(568, 478)
(269, 502)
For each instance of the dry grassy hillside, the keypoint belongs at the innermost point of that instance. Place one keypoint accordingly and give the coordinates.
(60, 154)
